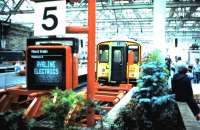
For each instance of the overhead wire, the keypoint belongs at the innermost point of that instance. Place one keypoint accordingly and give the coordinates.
(104, 8)
(82, 4)
(116, 20)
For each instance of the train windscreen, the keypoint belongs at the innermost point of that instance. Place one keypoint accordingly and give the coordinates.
(104, 53)
(135, 51)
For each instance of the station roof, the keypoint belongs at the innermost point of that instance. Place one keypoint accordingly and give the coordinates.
(127, 17)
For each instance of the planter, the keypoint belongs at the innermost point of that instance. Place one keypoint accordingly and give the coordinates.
(44, 125)
(188, 118)
(42, 128)
(112, 114)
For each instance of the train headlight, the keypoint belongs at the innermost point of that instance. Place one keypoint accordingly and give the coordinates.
(103, 70)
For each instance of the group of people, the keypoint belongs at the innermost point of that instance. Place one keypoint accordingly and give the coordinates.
(182, 83)
(193, 70)
(196, 71)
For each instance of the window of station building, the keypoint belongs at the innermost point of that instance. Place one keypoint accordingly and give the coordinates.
(117, 56)
(103, 53)
(135, 51)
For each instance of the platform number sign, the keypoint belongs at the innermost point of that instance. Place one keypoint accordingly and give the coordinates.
(49, 18)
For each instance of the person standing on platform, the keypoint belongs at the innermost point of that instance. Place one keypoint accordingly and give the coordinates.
(182, 88)
(168, 62)
(174, 65)
(196, 71)
(178, 62)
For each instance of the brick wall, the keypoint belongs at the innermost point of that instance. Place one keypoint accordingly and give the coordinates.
(17, 36)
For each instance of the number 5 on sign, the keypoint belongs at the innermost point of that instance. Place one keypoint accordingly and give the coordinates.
(50, 18)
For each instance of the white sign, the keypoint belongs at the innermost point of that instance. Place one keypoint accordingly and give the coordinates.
(49, 18)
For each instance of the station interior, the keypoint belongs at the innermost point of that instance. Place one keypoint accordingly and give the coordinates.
(99, 64)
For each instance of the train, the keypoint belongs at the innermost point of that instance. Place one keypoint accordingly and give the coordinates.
(118, 61)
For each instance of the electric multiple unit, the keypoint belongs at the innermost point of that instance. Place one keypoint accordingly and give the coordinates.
(118, 61)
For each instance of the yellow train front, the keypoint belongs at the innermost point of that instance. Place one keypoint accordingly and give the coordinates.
(118, 62)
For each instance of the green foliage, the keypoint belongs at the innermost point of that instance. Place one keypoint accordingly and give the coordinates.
(57, 107)
(154, 56)
(150, 114)
(85, 110)
(11, 120)
(154, 78)
(90, 103)
(151, 107)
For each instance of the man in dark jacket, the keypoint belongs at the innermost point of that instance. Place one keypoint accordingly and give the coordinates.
(181, 86)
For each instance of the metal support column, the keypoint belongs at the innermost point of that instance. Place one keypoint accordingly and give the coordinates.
(91, 56)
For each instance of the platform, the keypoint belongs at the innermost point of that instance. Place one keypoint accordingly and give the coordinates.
(6, 68)
(11, 79)
(82, 69)
(196, 89)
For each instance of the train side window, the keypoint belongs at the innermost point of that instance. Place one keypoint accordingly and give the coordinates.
(136, 54)
(117, 56)
(103, 53)
(131, 57)
(135, 50)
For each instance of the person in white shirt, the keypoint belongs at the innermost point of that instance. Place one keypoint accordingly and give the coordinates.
(177, 63)
(196, 71)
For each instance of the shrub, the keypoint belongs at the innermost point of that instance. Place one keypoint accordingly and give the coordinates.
(151, 107)
(57, 107)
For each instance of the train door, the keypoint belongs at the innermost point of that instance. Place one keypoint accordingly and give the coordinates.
(118, 64)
